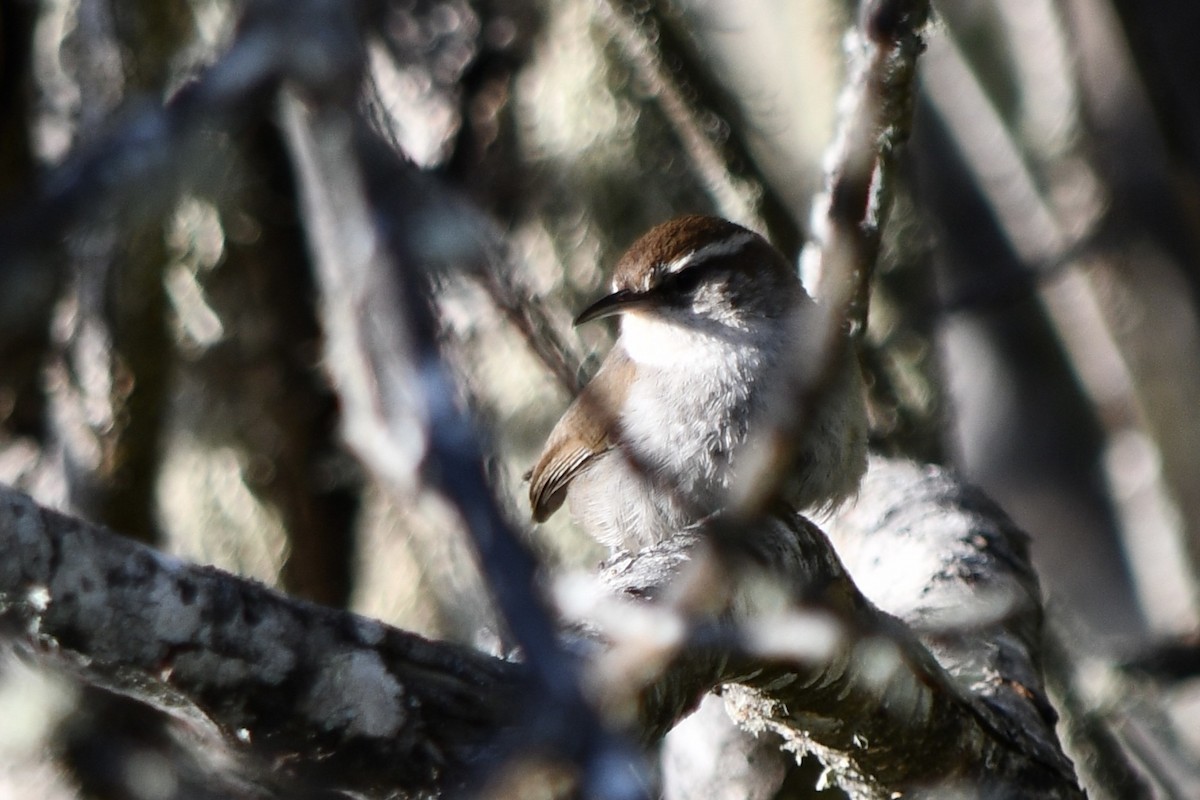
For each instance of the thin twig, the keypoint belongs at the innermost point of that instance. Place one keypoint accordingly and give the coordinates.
(353, 180)
(533, 324)
(848, 219)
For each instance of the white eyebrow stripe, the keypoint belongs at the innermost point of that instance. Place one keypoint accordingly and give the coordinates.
(724, 247)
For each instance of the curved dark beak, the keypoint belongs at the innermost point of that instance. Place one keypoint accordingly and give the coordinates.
(615, 303)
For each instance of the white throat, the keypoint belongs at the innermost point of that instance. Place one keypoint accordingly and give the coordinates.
(688, 410)
(656, 343)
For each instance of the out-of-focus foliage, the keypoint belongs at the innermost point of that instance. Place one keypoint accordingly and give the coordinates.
(1035, 320)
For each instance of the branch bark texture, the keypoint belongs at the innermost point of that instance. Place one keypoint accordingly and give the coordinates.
(937, 687)
(950, 700)
(319, 694)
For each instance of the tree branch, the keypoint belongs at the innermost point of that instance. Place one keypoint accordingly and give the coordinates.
(948, 696)
(319, 694)
(947, 692)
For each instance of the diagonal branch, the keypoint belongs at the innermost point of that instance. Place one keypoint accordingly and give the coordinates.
(947, 691)
(350, 703)
(847, 225)
(371, 237)
(298, 690)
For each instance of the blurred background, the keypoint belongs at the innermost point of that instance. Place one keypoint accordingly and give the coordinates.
(1034, 320)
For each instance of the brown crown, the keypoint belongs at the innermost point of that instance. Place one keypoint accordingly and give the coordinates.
(646, 258)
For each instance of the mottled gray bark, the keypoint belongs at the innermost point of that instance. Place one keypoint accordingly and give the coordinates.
(318, 694)
(333, 696)
(947, 694)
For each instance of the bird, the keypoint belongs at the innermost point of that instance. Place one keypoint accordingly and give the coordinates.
(709, 316)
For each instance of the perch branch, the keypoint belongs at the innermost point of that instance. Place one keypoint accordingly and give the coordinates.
(946, 691)
(322, 695)
(934, 681)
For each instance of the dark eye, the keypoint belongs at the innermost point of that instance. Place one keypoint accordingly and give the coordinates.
(687, 280)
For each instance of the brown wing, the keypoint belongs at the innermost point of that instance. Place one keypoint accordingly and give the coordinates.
(583, 433)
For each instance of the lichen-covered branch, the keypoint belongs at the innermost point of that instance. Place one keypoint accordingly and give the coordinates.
(299, 690)
(945, 693)
(949, 696)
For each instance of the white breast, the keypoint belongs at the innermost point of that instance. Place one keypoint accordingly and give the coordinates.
(685, 417)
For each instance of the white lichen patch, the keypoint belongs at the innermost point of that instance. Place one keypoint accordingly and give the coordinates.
(38, 598)
(272, 662)
(264, 654)
(355, 692)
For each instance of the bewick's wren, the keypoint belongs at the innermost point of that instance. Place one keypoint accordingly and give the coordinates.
(710, 312)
